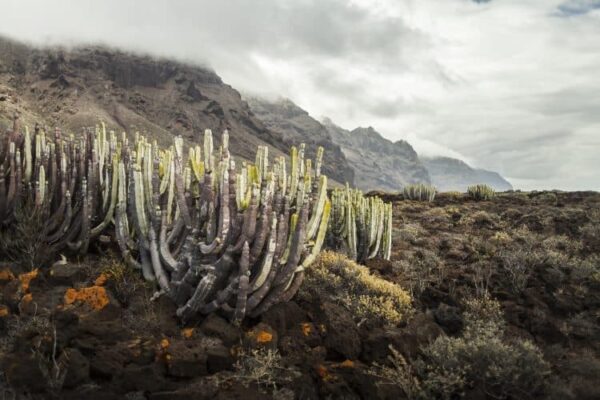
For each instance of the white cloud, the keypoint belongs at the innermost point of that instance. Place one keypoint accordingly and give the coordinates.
(511, 85)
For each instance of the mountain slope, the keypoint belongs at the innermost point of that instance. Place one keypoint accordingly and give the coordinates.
(452, 174)
(295, 126)
(159, 97)
(379, 163)
(80, 87)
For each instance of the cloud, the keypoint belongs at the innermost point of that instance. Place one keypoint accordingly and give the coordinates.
(577, 7)
(507, 85)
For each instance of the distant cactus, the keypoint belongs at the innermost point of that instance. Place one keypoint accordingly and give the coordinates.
(360, 226)
(481, 192)
(419, 192)
(211, 236)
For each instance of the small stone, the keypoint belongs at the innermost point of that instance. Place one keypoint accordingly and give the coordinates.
(219, 358)
(77, 366)
(186, 359)
(449, 318)
(215, 326)
(22, 371)
(341, 333)
(66, 274)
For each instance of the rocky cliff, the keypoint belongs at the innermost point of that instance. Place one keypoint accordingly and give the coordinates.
(295, 126)
(379, 163)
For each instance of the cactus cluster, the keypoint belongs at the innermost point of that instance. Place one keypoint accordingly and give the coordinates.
(481, 192)
(419, 192)
(211, 236)
(360, 226)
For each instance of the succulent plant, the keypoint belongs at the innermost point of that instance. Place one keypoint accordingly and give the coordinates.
(360, 226)
(481, 192)
(419, 192)
(212, 236)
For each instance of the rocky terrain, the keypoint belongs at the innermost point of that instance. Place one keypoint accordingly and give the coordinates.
(449, 174)
(504, 303)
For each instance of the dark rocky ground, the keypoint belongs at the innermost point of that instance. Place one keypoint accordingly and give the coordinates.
(506, 304)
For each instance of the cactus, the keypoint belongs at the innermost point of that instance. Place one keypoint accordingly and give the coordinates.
(360, 226)
(481, 192)
(211, 237)
(419, 192)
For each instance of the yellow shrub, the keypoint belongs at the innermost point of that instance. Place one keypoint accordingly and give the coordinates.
(336, 277)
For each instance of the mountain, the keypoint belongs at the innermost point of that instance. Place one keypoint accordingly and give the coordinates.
(379, 163)
(159, 97)
(295, 126)
(451, 174)
(79, 87)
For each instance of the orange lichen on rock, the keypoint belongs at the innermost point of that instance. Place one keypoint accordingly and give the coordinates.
(264, 337)
(346, 364)
(26, 279)
(6, 275)
(306, 328)
(323, 372)
(3, 311)
(94, 296)
(27, 298)
(101, 280)
(187, 332)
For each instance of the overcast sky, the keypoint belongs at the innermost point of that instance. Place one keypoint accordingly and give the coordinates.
(507, 85)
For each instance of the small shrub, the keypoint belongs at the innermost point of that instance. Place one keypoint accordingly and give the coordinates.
(122, 279)
(587, 271)
(26, 243)
(590, 237)
(481, 358)
(501, 238)
(398, 373)
(563, 244)
(421, 270)
(437, 215)
(336, 277)
(411, 233)
(517, 267)
(481, 192)
(262, 367)
(482, 219)
(419, 192)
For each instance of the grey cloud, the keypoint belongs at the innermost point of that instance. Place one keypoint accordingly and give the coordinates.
(506, 84)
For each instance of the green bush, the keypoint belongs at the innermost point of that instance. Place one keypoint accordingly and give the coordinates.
(482, 358)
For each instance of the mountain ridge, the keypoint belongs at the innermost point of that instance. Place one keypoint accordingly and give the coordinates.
(74, 88)
(82, 86)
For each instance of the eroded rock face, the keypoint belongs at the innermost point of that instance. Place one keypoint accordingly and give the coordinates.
(379, 163)
(297, 126)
